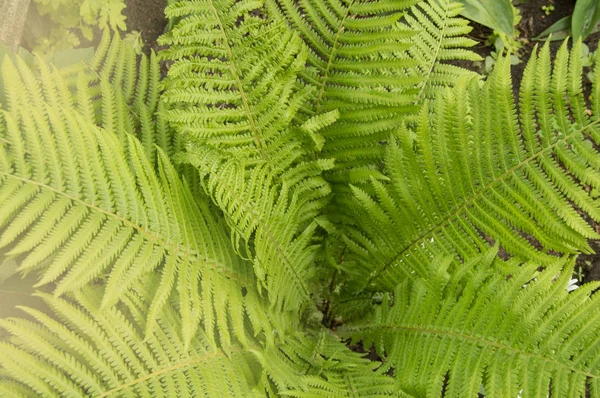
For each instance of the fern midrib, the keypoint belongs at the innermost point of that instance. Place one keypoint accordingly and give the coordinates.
(257, 138)
(352, 387)
(340, 29)
(476, 340)
(177, 366)
(434, 58)
(151, 236)
(458, 211)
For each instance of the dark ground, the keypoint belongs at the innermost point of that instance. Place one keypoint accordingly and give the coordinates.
(533, 22)
(147, 17)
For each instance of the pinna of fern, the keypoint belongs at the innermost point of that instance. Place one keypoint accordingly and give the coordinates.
(478, 169)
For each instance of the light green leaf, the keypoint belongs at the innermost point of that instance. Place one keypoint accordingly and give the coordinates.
(496, 14)
(585, 17)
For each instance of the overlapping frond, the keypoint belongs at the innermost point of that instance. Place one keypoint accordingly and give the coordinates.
(371, 60)
(477, 170)
(78, 350)
(354, 65)
(81, 351)
(233, 93)
(232, 83)
(440, 39)
(78, 208)
(271, 212)
(319, 365)
(471, 329)
(127, 89)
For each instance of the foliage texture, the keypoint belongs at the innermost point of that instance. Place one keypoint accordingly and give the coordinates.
(305, 179)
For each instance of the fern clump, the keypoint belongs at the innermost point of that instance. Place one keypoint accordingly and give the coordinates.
(305, 176)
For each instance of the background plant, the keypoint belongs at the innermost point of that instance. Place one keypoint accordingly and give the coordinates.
(58, 25)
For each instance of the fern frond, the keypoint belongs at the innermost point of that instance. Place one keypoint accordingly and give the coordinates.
(477, 169)
(273, 210)
(322, 366)
(78, 208)
(233, 93)
(468, 327)
(135, 94)
(440, 37)
(232, 81)
(362, 62)
(352, 60)
(81, 351)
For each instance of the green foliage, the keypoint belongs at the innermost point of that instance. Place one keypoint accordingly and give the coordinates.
(519, 334)
(58, 25)
(306, 173)
(481, 175)
(498, 15)
(584, 21)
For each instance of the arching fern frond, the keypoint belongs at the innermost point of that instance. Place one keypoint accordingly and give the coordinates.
(354, 66)
(371, 60)
(477, 169)
(321, 366)
(128, 89)
(232, 83)
(81, 351)
(271, 212)
(233, 93)
(440, 38)
(78, 208)
(472, 327)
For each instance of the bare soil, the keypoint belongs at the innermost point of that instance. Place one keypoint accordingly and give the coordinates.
(148, 18)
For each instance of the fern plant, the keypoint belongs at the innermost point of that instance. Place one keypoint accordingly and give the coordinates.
(308, 178)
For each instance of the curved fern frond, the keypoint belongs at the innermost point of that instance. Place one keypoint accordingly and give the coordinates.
(271, 212)
(233, 93)
(353, 63)
(478, 170)
(81, 351)
(362, 62)
(440, 38)
(474, 328)
(128, 89)
(319, 365)
(78, 208)
(232, 83)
